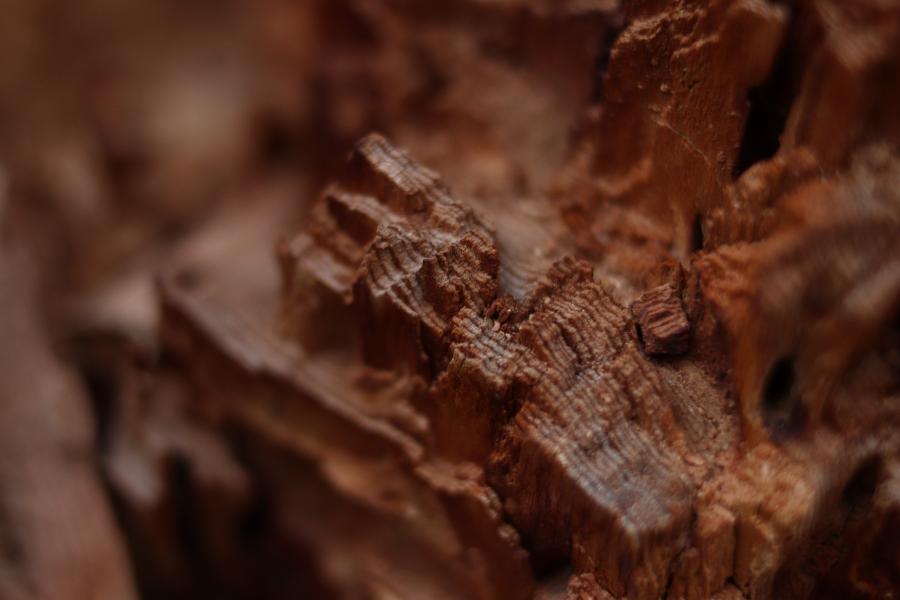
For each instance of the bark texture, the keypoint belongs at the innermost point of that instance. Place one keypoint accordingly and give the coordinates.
(632, 333)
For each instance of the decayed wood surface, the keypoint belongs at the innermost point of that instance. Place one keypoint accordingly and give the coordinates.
(609, 309)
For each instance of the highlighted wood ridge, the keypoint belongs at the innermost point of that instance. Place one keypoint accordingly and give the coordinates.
(677, 378)
(546, 429)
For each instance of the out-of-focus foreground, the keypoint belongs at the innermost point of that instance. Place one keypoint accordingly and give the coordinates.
(634, 332)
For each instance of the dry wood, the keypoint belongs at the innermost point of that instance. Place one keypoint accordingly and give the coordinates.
(632, 333)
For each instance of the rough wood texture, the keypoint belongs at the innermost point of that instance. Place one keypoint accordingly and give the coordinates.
(632, 333)
(661, 325)
(737, 469)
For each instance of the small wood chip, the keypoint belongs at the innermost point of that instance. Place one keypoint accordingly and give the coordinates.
(662, 325)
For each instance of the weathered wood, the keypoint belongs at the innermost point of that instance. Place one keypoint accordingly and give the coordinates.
(479, 410)
(686, 479)
(632, 333)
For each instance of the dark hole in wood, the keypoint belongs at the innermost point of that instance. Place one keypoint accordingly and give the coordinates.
(180, 480)
(254, 524)
(862, 484)
(555, 569)
(782, 411)
(697, 233)
(779, 383)
(601, 62)
(770, 105)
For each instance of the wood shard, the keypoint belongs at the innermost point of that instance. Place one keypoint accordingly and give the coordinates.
(662, 325)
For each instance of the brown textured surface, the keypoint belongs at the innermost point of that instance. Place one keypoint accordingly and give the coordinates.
(634, 471)
(57, 535)
(608, 310)
(661, 325)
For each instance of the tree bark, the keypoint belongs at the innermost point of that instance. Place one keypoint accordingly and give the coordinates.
(632, 333)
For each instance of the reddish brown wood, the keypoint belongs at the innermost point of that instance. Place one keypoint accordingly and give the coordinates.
(661, 325)
(58, 538)
(608, 310)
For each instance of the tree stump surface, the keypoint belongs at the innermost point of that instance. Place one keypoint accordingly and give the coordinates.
(608, 310)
